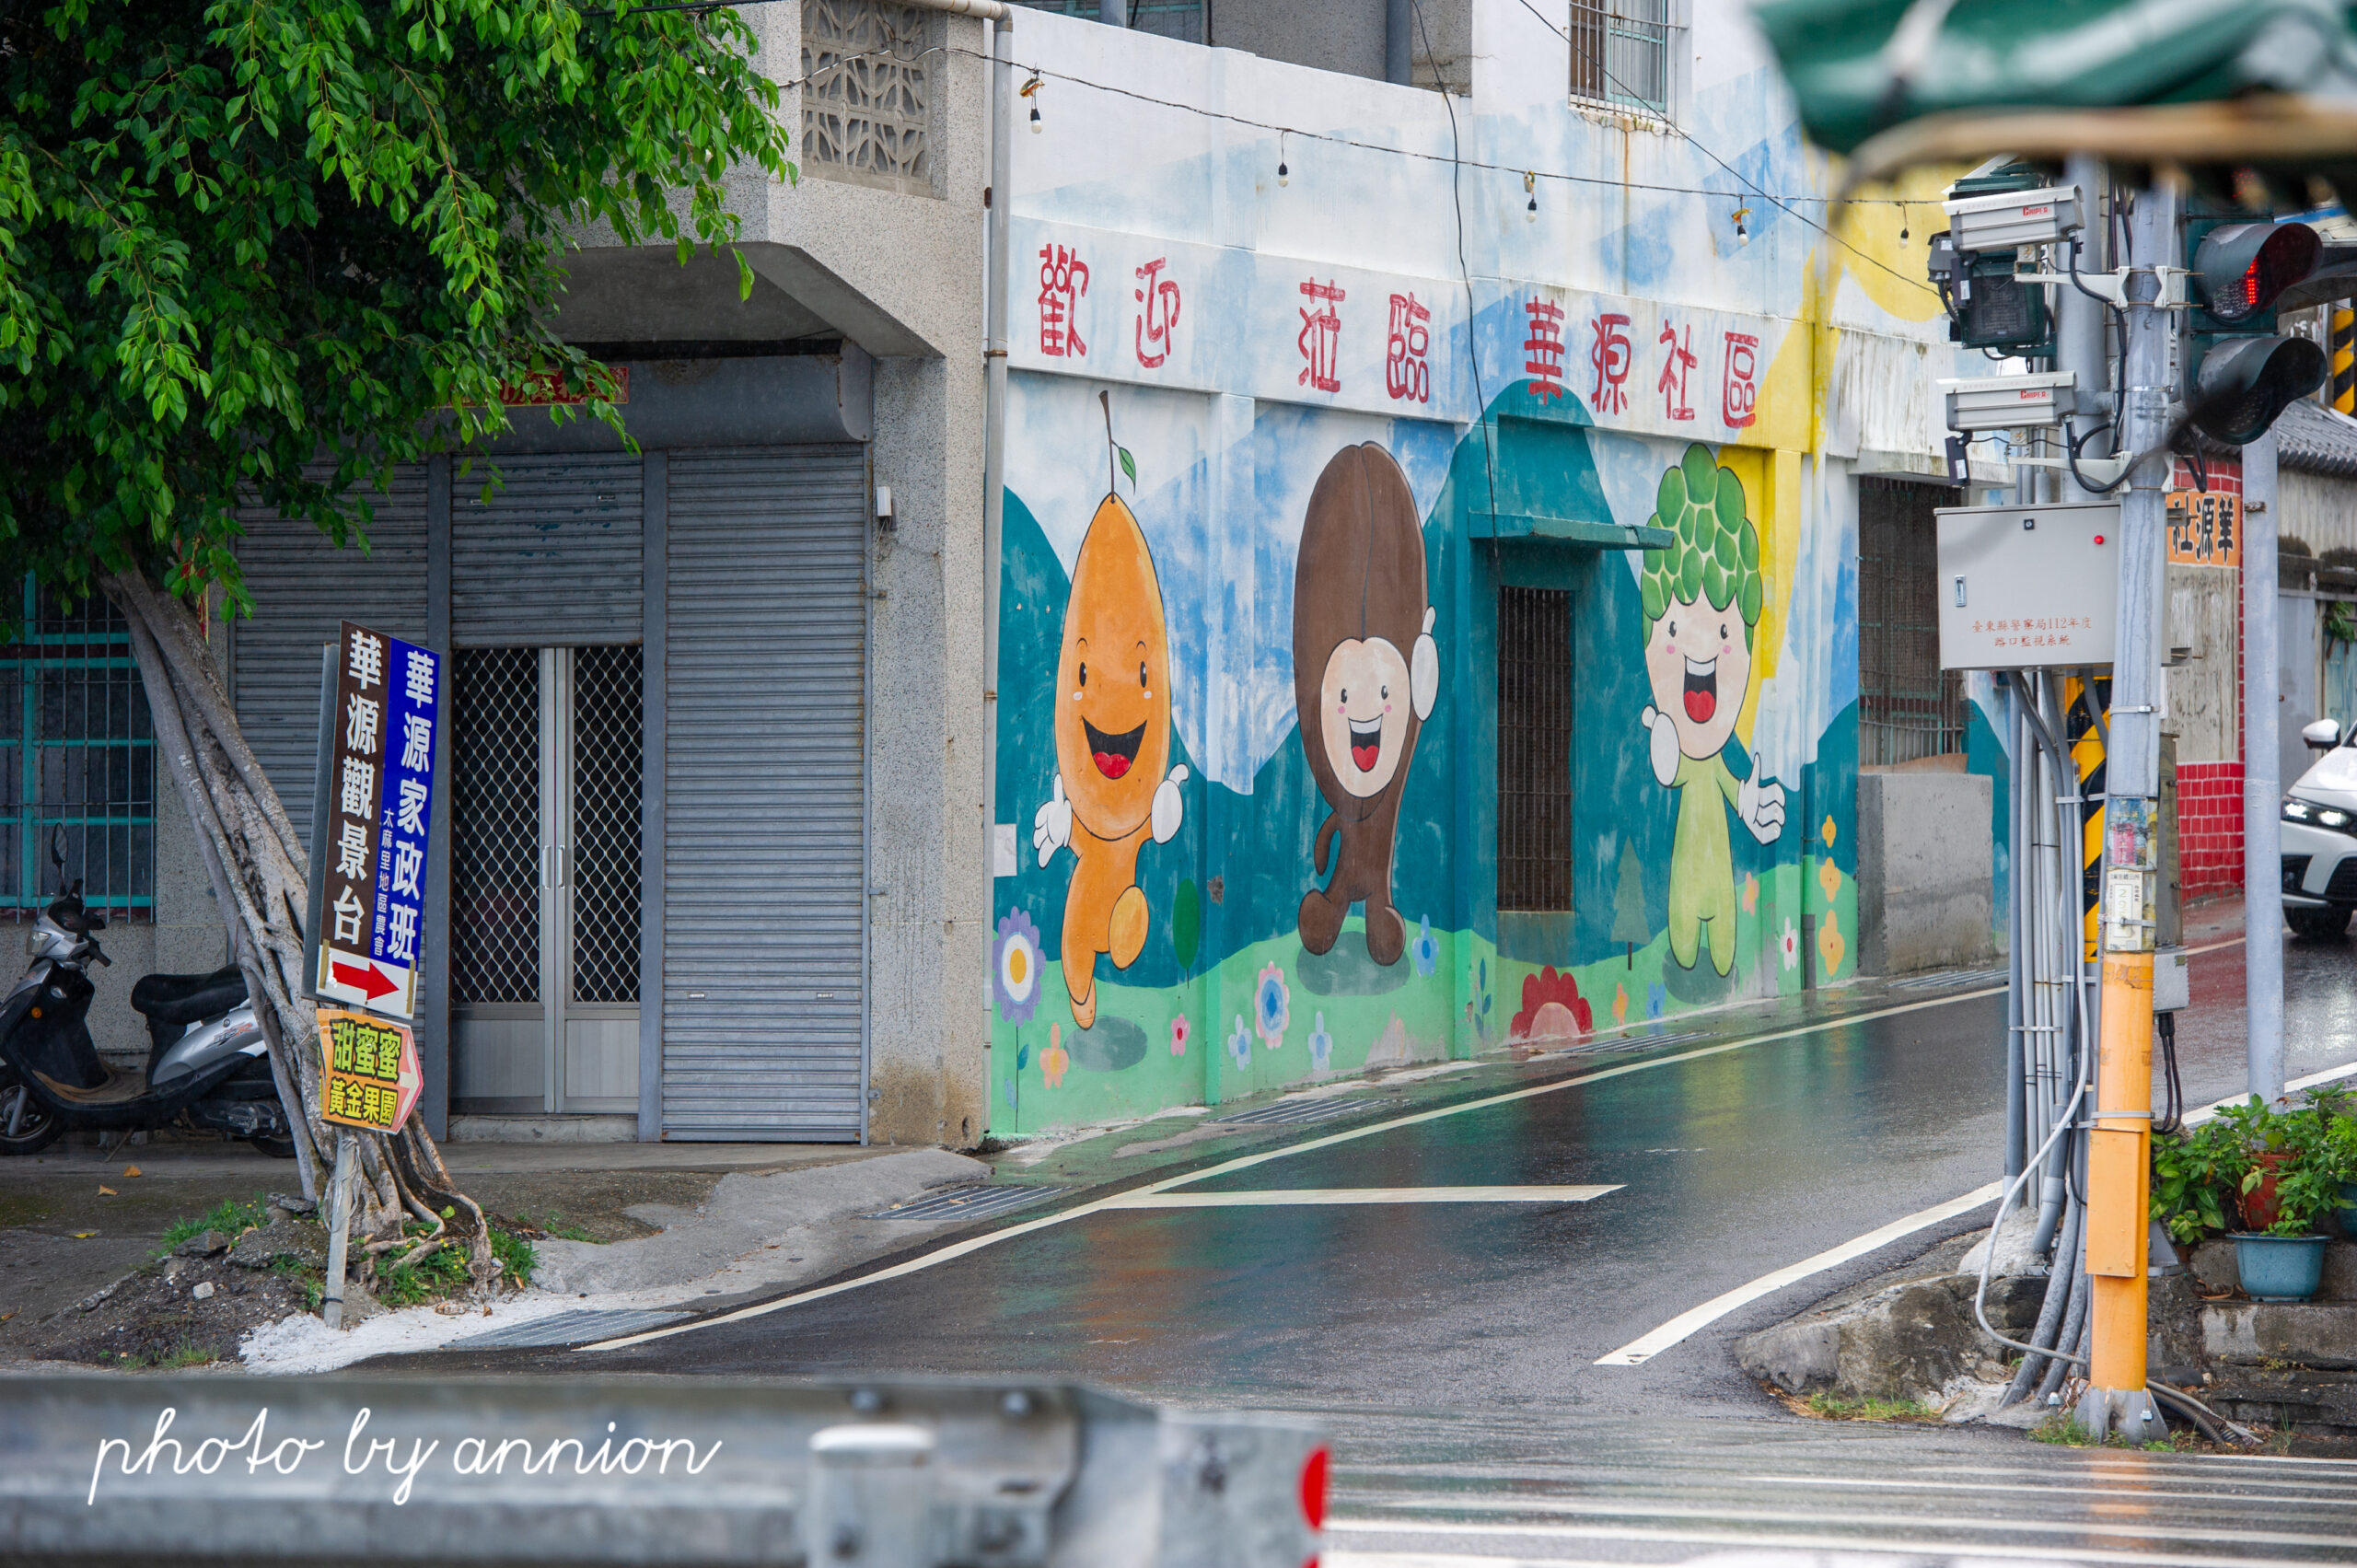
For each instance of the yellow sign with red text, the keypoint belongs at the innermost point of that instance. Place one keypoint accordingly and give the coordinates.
(369, 1074)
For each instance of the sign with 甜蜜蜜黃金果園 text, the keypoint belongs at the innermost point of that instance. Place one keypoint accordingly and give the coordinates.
(368, 1071)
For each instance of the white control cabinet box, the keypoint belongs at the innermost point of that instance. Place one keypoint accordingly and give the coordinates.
(2026, 588)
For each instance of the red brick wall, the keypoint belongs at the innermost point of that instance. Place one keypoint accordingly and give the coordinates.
(2210, 826)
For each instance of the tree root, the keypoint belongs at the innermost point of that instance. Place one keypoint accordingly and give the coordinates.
(259, 878)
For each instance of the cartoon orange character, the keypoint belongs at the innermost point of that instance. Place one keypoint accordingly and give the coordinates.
(1113, 749)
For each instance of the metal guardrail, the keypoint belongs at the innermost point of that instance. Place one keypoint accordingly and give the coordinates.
(679, 1471)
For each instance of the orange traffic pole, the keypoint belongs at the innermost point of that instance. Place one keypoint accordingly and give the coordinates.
(2118, 1199)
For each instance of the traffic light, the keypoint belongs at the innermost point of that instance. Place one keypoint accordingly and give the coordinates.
(2239, 373)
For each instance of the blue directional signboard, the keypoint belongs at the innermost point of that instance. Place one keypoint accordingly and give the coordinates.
(377, 799)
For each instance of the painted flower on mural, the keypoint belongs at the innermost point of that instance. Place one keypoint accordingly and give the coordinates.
(1656, 999)
(1178, 1032)
(1015, 967)
(1620, 1003)
(1272, 1007)
(1240, 1043)
(1789, 945)
(1828, 877)
(1321, 1045)
(1750, 893)
(1829, 946)
(1054, 1060)
(1552, 1008)
(1828, 832)
(1425, 949)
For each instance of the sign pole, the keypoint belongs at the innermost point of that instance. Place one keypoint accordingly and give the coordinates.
(2119, 1143)
(2262, 787)
(338, 1230)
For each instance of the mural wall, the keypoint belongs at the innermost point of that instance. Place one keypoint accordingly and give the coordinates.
(1278, 445)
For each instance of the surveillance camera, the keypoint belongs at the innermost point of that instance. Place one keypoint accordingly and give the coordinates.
(2012, 402)
(2009, 219)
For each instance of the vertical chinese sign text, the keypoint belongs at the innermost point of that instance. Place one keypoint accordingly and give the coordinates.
(368, 896)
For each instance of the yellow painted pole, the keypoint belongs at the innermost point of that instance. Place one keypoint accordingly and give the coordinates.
(2119, 1178)
(2344, 358)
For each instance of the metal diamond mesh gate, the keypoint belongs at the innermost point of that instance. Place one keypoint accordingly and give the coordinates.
(495, 828)
(545, 878)
(1534, 749)
(606, 745)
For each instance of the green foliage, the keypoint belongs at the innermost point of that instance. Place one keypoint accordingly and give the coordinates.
(444, 1272)
(1717, 554)
(2201, 1176)
(1835, 1407)
(261, 252)
(229, 1218)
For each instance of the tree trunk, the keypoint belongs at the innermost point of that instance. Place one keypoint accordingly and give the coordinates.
(258, 873)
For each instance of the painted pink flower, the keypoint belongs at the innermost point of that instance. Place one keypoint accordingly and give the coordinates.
(1178, 1031)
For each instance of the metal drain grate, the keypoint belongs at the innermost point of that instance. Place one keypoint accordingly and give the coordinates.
(575, 1328)
(977, 1203)
(1291, 1112)
(1954, 979)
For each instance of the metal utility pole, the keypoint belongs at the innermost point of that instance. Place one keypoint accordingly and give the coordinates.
(2119, 1145)
(2262, 787)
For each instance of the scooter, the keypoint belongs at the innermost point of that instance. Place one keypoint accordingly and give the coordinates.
(208, 1064)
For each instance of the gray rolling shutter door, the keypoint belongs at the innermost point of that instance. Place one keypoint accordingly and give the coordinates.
(553, 559)
(302, 585)
(764, 891)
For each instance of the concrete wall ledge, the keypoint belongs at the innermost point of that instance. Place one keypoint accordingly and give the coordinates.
(1925, 864)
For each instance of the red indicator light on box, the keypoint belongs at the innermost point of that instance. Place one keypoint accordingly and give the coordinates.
(2098, 539)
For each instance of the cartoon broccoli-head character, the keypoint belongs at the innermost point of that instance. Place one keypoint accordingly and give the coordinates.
(1702, 599)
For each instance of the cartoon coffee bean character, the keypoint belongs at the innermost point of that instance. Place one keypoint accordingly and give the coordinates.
(1112, 750)
(1702, 601)
(1366, 673)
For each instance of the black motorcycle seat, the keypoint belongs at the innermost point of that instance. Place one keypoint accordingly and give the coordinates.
(185, 998)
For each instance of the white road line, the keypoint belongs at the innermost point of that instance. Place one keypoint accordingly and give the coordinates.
(2138, 1528)
(1282, 1197)
(1637, 1351)
(957, 1249)
(1894, 1535)
(2146, 1492)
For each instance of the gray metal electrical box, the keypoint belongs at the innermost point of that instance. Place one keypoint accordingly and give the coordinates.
(2025, 588)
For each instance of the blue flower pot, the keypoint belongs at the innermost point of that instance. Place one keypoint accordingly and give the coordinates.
(2280, 1268)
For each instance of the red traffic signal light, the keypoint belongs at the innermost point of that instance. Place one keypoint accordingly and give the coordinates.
(2244, 266)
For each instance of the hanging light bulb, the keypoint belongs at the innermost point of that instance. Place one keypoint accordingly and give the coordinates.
(1902, 226)
(1742, 234)
(1285, 175)
(1035, 119)
(1030, 90)
(1530, 209)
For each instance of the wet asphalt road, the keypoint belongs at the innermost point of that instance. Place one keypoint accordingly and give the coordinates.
(1453, 1348)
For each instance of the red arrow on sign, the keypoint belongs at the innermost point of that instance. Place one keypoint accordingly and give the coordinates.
(370, 981)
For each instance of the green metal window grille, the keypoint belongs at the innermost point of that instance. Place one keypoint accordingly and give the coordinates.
(1181, 19)
(76, 754)
(1909, 708)
(1621, 52)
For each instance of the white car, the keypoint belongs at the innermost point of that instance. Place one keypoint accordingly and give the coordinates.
(2320, 836)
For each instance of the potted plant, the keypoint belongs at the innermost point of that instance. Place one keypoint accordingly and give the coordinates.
(2290, 1181)
(2278, 1172)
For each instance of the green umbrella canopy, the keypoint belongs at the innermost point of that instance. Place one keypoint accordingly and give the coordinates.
(1983, 55)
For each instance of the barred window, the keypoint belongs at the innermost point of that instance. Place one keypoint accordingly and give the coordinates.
(76, 754)
(1621, 52)
(1533, 749)
(1908, 707)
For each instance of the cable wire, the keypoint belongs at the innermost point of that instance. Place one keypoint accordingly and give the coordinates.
(1472, 311)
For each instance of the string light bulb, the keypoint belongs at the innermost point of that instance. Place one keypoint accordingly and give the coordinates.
(1285, 175)
(1030, 90)
(1902, 226)
(1530, 209)
(1742, 234)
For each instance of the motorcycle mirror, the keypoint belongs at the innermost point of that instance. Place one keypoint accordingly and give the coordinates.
(57, 849)
(76, 888)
